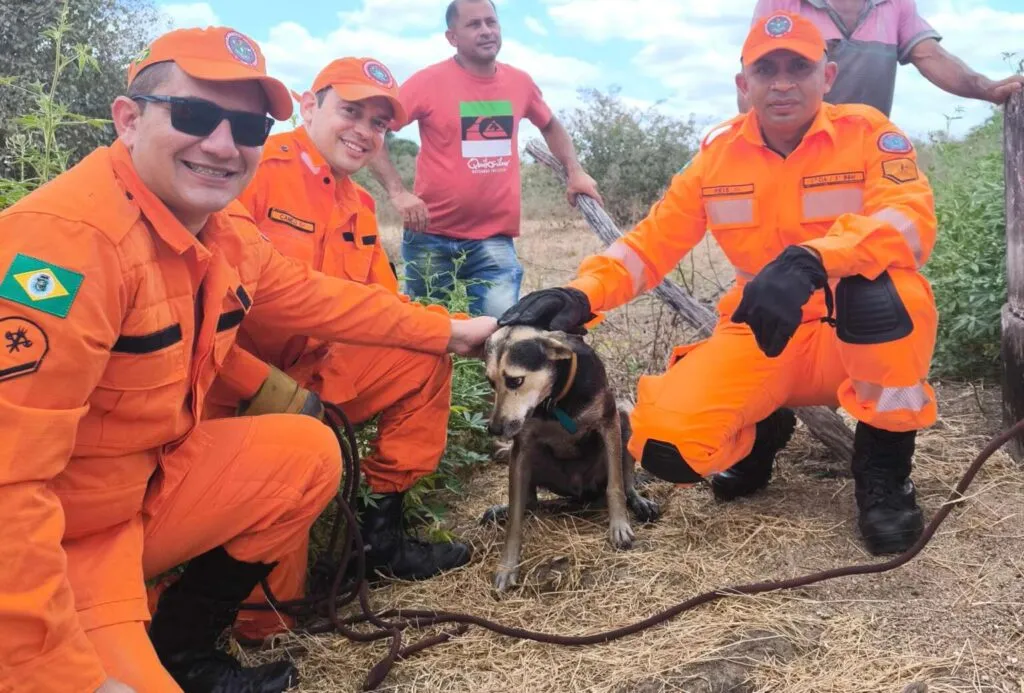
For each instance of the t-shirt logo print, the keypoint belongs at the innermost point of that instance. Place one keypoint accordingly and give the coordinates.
(486, 130)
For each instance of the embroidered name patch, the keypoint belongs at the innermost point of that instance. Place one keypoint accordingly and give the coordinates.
(723, 190)
(899, 170)
(23, 344)
(291, 220)
(834, 179)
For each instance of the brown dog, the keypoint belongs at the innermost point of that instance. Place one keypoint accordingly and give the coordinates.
(568, 435)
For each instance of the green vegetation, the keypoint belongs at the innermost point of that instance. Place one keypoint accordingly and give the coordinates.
(62, 64)
(968, 266)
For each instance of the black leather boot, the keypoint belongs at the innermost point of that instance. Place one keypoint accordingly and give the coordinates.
(190, 617)
(753, 472)
(395, 553)
(890, 521)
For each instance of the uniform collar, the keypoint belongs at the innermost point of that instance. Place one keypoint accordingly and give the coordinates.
(750, 130)
(166, 225)
(296, 145)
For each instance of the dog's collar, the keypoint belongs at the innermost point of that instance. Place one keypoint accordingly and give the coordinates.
(550, 405)
(573, 363)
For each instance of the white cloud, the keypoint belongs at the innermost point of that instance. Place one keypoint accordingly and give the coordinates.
(397, 15)
(188, 15)
(534, 25)
(691, 52)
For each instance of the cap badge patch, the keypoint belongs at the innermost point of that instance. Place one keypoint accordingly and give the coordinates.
(378, 73)
(894, 143)
(141, 57)
(240, 47)
(778, 26)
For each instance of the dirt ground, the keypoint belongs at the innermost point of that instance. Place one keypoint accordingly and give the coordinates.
(950, 620)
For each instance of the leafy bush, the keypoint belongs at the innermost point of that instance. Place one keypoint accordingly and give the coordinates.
(468, 439)
(968, 266)
(99, 35)
(36, 148)
(631, 153)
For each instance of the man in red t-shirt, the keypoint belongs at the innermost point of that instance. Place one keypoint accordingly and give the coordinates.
(464, 213)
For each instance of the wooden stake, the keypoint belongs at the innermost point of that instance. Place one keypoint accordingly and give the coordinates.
(1013, 311)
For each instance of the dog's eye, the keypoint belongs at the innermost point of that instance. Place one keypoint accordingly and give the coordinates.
(513, 383)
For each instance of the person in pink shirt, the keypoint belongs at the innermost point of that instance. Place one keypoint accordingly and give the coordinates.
(868, 39)
(464, 213)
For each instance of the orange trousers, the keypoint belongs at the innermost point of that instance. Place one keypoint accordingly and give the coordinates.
(252, 485)
(714, 392)
(410, 390)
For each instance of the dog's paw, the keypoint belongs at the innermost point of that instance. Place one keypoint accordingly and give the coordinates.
(644, 509)
(496, 514)
(506, 578)
(621, 535)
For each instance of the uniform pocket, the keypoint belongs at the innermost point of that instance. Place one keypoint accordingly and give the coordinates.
(824, 205)
(734, 221)
(140, 394)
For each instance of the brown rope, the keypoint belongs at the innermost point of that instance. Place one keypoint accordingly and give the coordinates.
(392, 623)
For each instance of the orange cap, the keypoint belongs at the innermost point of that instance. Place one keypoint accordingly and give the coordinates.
(355, 79)
(216, 54)
(783, 31)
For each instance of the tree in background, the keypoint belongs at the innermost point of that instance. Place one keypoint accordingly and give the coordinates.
(99, 38)
(632, 153)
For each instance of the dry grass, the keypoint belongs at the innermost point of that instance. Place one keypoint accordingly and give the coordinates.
(951, 620)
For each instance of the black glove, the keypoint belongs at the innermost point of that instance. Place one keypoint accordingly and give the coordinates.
(561, 309)
(772, 301)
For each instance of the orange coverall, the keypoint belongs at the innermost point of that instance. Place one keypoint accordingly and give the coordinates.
(864, 209)
(330, 225)
(107, 477)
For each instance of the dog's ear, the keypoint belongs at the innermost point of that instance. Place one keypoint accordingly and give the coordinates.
(557, 346)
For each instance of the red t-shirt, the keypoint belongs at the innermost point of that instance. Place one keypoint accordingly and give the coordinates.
(467, 171)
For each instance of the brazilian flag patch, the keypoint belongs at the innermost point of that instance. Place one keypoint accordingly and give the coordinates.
(41, 285)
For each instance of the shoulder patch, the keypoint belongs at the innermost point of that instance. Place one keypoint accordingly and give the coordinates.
(44, 286)
(23, 345)
(283, 217)
(901, 170)
(894, 143)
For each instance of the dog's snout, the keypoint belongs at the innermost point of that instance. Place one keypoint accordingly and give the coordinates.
(505, 428)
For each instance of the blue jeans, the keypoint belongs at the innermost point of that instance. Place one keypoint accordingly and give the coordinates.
(489, 268)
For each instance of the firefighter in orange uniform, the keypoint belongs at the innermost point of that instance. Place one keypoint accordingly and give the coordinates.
(304, 200)
(122, 286)
(827, 220)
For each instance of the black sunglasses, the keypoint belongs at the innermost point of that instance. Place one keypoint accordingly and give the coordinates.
(199, 118)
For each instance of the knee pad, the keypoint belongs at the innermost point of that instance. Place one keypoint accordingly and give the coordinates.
(664, 461)
(870, 311)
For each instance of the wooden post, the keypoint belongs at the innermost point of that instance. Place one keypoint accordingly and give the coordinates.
(825, 424)
(1013, 311)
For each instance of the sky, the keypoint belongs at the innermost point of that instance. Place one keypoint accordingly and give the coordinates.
(677, 55)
